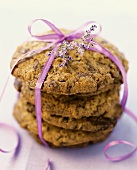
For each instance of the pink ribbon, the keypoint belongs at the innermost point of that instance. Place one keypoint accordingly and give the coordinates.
(123, 157)
(121, 142)
(55, 40)
(48, 165)
(16, 134)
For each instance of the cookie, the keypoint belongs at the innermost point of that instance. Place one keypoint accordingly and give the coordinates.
(91, 123)
(36, 137)
(72, 106)
(28, 92)
(90, 73)
(58, 136)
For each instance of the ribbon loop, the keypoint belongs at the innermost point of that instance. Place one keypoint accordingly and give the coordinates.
(81, 28)
(16, 134)
(120, 158)
(58, 34)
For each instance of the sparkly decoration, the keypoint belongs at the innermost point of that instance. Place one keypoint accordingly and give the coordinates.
(80, 50)
(88, 37)
(92, 28)
(87, 43)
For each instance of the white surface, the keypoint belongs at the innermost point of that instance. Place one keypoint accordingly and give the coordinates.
(119, 22)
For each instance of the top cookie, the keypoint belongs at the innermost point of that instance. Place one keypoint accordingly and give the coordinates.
(92, 72)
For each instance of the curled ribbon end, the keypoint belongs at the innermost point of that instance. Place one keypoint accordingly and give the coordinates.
(119, 158)
(48, 166)
(16, 148)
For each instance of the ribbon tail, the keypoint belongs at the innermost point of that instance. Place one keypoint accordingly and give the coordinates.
(38, 86)
(48, 165)
(131, 114)
(102, 50)
(3, 91)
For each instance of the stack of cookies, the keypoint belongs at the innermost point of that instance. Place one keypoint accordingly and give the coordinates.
(80, 101)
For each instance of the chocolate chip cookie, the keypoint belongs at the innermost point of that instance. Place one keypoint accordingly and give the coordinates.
(92, 72)
(92, 123)
(58, 136)
(72, 106)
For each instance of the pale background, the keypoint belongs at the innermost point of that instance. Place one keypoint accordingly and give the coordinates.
(119, 21)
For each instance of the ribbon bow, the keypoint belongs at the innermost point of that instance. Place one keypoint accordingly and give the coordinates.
(58, 36)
